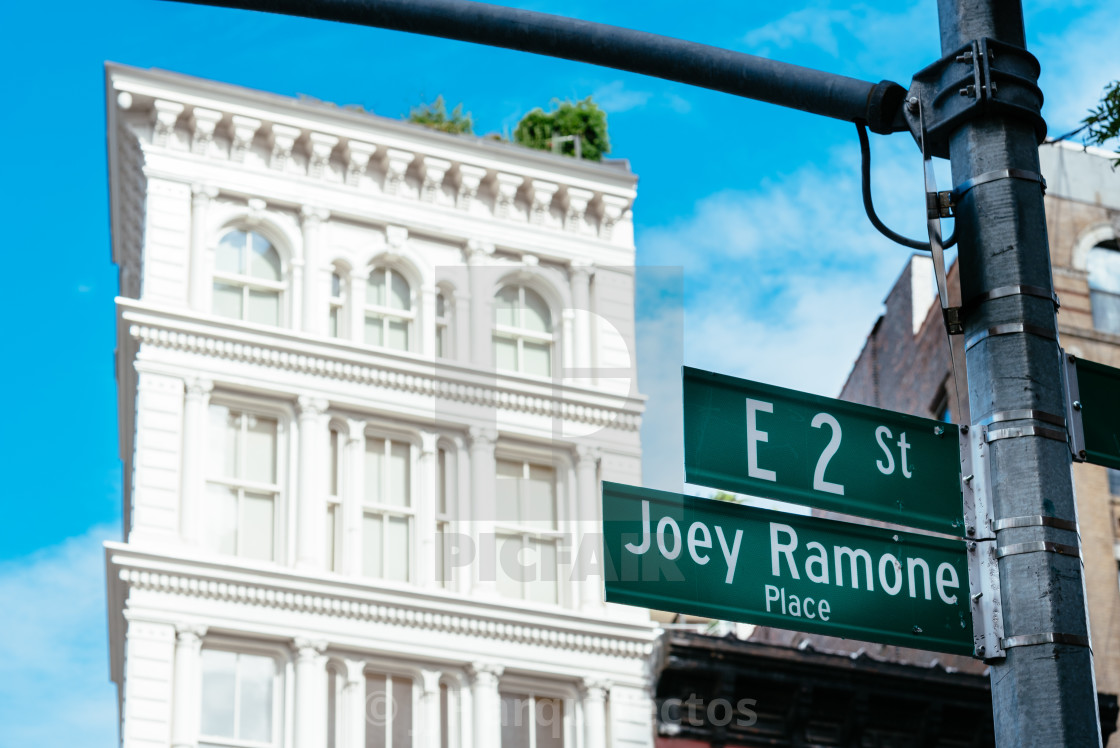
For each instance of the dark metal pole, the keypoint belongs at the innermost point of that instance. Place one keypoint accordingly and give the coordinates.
(814, 91)
(1043, 693)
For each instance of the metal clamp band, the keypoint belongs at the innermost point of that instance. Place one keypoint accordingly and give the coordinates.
(1038, 546)
(1005, 291)
(992, 176)
(1036, 520)
(1009, 329)
(1033, 640)
(1019, 431)
(1023, 415)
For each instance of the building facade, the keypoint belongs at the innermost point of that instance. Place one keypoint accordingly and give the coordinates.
(370, 376)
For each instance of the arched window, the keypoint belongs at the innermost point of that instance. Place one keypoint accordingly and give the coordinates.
(388, 309)
(1104, 286)
(248, 278)
(336, 325)
(522, 332)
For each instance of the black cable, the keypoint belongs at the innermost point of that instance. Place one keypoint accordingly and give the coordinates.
(869, 207)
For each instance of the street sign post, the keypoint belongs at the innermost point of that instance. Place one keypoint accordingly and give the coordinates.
(769, 441)
(1098, 401)
(713, 558)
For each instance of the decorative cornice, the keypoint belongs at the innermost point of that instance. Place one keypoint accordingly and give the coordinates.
(434, 171)
(242, 130)
(164, 116)
(358, 155)
(396, 164)
(321, 147)
(474, 393)
(394, 615)
(283, 140)
(203, 124)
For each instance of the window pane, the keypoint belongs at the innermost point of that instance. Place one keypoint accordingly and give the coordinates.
(332, 323)
(441, 341)
(401, 297)
(507, 490)
(377, 711)
(218, 682)
(549, 714)
(332, 708)
(539, 492)
(535, 316)
(1113, 481)
(1106, 310)
(538, 358)
(1104, 269)
(375, 468)
(541, 585)
(399, 485)
(509, 566)
(375, 289)
(255, 680)
(402, 714)
(398, 334)
(223, 442)
(221, 519)
(264, 261)
(227, 300)
(375, 330)
(371, 545)
(505, 354)
(517, 721)
(336, 286)
(441, 481)
(228, 256)
(255, 537)
(441, 305)
(264, 307)
(332, 534)
(444, 716)
(505, 307)
(260, 449)
(443, 574)
(397, 561)
(334, 464)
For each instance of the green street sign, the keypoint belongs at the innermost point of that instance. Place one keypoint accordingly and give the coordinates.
(1099, 394)
(713, 558)
(757, 439)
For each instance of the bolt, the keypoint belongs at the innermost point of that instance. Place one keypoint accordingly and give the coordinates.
(1071, 358)
(938, 430)
(977, 596)
(964, 429)
(1077, 405)
(971, 530)
(912, 105)
(917, 629)
(968, 478)
(972, 547)
(980, 650)
(1081, 454)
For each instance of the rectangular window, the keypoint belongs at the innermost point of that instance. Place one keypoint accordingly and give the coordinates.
(532, 721)
(526, 530)
(388, 711)
(242, 488)
(238, 699)
(1113, 481)
(387, 511)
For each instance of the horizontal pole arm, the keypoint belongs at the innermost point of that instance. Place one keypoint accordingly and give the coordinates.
(751, 77)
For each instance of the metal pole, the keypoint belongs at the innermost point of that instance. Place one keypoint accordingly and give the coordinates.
(1044, 692)
(781, 83)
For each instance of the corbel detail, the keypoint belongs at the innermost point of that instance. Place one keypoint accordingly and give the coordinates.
(242, 130)
(203, 124)
(434, 171)
(578, 201)
(164, 116)
(614, 209)
(283, 139)
(321, 146)
(543, 192)
(396, 165)
(357, 159)
(505, 193)
(470, 177)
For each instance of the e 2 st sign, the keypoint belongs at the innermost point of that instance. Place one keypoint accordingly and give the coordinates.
(713, 558)
(768, 441)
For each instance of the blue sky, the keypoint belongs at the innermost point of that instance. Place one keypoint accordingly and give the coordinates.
(759, 206)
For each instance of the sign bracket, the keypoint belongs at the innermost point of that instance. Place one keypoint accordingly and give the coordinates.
(1074, 424)
(980, 528)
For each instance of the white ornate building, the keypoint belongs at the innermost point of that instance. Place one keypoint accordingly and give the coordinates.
(370, 376)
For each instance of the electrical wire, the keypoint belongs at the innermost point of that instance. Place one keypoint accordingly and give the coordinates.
(869, 207)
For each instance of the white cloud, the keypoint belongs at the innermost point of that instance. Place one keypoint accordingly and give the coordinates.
(54, 664)
(615, 97)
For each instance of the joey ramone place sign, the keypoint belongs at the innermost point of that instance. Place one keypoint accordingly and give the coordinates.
(757, 439)
(712, 558)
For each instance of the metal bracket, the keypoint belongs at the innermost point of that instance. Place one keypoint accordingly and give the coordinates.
(1039, 546)
(992, 176)
(983, 566)
(1010, 328)
(984, 76)
(1075, 428)
(1033, 640)
(1034, 520)
(1004, 291)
